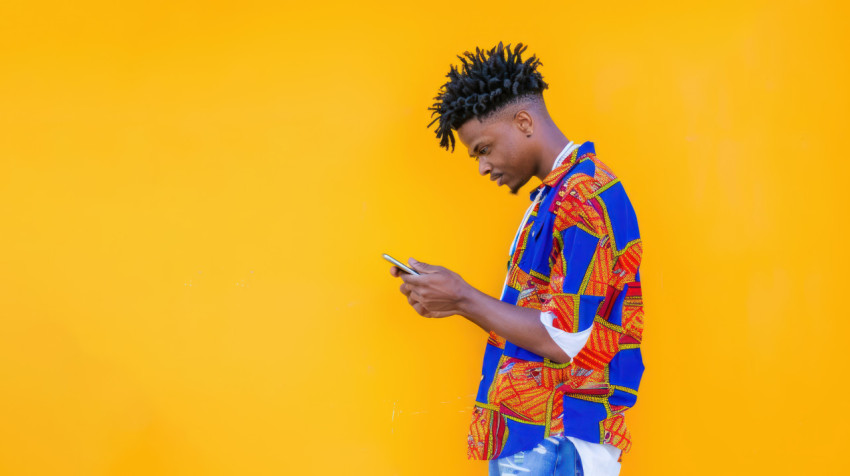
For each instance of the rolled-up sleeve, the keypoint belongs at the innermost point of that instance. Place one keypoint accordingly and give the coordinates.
(570, 342)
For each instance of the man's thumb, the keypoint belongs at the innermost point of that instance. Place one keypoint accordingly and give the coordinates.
(417, 265)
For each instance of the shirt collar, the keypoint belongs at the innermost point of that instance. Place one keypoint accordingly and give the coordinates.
(559, 170)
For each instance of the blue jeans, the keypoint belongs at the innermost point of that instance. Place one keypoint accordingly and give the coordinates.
(554, 456)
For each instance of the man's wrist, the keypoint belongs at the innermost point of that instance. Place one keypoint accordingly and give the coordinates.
(466, 301)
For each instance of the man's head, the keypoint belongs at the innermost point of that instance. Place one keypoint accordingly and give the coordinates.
(495, 102)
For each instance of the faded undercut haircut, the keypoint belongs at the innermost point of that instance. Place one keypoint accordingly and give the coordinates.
(485, 83)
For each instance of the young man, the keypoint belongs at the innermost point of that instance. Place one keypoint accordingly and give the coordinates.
(562, 362)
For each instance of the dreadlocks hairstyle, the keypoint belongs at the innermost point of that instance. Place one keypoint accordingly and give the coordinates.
(487, 81)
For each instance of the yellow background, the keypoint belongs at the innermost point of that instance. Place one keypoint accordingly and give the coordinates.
(194, 198)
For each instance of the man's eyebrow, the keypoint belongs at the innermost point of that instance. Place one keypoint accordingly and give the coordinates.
(475, 150)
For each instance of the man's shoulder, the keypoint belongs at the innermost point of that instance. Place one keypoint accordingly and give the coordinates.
(585, 180)
(591, 197)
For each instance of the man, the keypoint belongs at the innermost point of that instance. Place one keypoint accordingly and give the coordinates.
(562, 362)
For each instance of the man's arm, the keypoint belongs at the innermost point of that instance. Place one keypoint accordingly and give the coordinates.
(519, 325)
(440, 292)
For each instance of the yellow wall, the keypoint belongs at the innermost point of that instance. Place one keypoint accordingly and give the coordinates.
(194, 200)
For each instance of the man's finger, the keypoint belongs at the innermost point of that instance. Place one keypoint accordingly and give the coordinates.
(420, 266)
(409, 278)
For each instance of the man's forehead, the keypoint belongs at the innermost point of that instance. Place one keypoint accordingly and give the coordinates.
(472, 132)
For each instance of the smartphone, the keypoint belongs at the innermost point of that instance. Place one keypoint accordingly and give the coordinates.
(400, 265)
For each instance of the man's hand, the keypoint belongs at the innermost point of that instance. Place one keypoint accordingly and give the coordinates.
(436, 292)
(439, 292)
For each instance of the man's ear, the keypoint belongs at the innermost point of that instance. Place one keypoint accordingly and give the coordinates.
(524, 122)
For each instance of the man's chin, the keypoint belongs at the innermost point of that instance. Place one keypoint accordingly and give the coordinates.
(515, 191)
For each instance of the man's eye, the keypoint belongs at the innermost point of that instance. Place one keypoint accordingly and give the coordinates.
(483, 150)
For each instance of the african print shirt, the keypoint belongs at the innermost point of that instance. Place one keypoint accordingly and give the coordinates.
(577, 257)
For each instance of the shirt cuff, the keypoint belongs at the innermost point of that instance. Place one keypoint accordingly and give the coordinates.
(570, 342)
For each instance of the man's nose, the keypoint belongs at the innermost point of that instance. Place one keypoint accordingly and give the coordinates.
(483, 167)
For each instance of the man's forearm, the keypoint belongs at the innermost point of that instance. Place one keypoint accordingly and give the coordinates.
(519, 325)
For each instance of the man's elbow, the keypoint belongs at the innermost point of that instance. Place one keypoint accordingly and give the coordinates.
(558, 356)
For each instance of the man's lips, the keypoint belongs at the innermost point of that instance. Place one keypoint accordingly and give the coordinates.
(497, 177)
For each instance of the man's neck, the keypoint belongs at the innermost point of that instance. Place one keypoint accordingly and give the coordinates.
(552, 144)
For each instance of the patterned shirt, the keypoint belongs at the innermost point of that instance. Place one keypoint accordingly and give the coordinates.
(577, 257)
